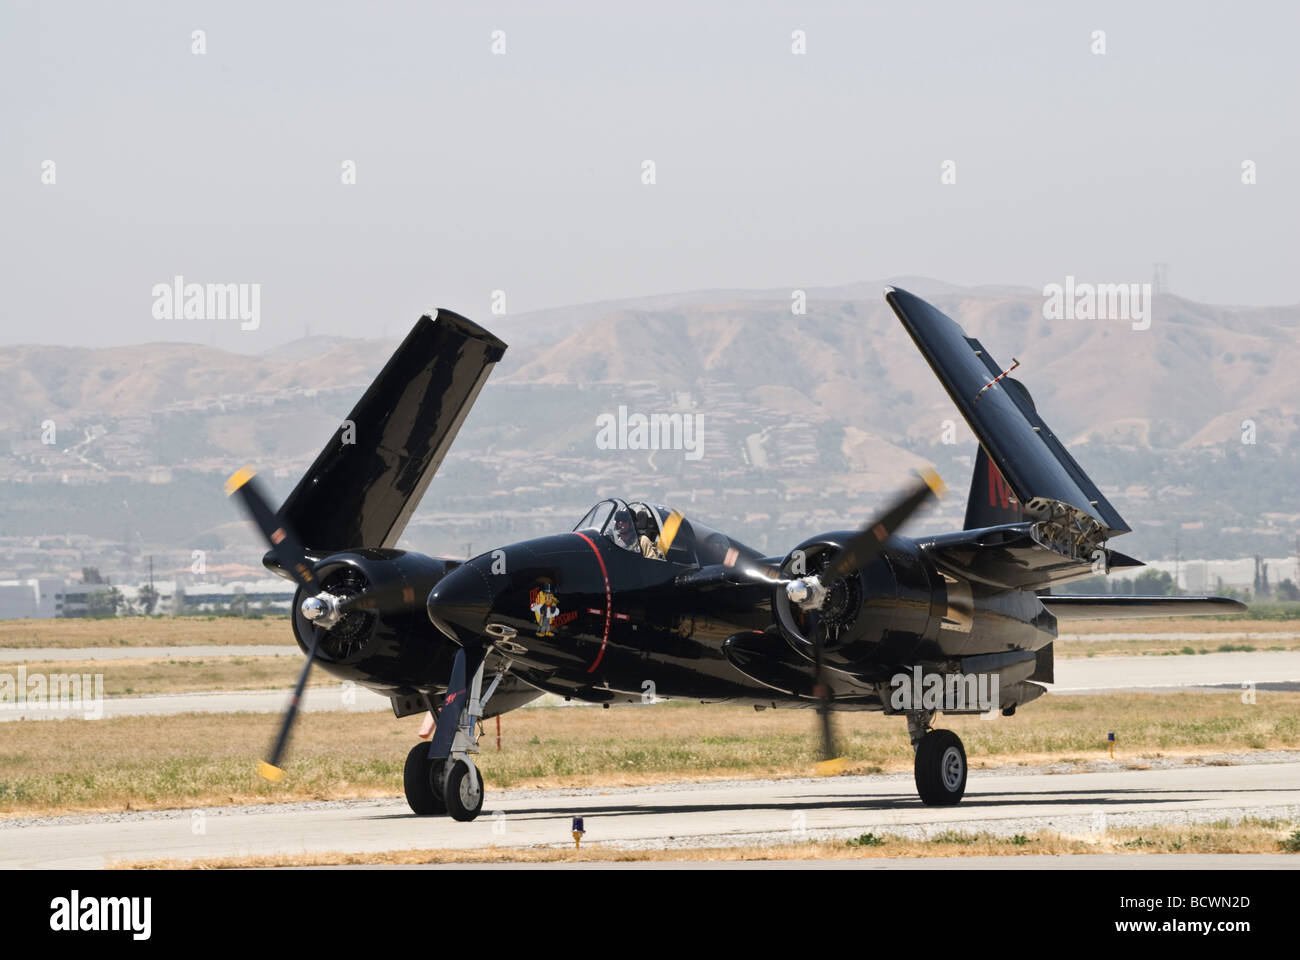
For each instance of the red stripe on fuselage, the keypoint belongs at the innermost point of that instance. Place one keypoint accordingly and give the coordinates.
(609, 601)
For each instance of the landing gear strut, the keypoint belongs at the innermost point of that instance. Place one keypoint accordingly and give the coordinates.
(454, 785)
(940, 766)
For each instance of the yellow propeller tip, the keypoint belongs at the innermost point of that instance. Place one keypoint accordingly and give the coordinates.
(268, 772)
(934, 482)
(832, 767)
(238, 479)
(669, 532)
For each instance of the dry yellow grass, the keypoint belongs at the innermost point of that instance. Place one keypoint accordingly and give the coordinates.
(145, 632)
(190, 760)
(183, 674)
(1248, 835)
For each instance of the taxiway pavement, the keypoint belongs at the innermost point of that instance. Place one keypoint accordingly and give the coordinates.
(1004, 802)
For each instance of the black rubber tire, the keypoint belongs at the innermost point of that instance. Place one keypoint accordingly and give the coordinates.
(420, 796)
(940, 768)
(436, 769)
(456, 801)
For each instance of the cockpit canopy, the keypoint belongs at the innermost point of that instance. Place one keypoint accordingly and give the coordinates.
(694, 545)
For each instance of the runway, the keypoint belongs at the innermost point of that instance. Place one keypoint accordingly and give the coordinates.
(1100, 674)
(1083, 675)
(675, 815)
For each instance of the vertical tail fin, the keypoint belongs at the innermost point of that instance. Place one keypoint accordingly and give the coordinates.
(991, 501)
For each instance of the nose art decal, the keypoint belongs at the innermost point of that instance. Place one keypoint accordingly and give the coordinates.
(546, 608)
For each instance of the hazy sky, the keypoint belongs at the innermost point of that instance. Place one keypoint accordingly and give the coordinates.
(523, 172)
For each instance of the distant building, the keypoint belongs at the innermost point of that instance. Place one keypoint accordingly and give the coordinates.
(28, 598)
(39, 599)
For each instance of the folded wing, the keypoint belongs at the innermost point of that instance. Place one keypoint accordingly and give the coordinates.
(1045, 479)
(366, 483)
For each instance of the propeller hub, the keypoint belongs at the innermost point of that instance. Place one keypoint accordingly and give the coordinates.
(807, 592)
(321, 610)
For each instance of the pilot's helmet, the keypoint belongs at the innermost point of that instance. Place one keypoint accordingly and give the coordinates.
(624, 528)
(642, 518)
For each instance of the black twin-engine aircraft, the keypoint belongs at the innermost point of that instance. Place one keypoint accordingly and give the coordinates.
(640, 597)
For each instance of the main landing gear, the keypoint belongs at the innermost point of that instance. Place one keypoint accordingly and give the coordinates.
(940, 766)
(453, 785)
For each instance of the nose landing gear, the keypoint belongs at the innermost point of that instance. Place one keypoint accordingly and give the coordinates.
(453, 785)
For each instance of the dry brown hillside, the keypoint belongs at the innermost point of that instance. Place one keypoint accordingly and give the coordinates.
(1189, 380)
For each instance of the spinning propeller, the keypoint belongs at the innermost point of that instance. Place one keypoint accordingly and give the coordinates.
(325, 610)
(811, 592)
(322, 609)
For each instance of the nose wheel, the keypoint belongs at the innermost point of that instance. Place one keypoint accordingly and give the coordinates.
(451, 784)
(437, 787)
(463, 791)
(423, 787)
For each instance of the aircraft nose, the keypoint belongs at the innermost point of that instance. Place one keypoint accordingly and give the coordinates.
(460, 603)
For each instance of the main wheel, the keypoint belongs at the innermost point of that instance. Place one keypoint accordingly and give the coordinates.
(420, 795)
(940, 768)
(464, 799)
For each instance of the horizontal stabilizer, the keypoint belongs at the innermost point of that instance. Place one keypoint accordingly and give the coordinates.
(1065, 607)
(1037, 467)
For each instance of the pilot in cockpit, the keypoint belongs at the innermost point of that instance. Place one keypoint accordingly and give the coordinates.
(635, 533)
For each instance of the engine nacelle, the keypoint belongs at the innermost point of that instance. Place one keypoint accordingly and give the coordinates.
(881, 614)
(392, 648)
